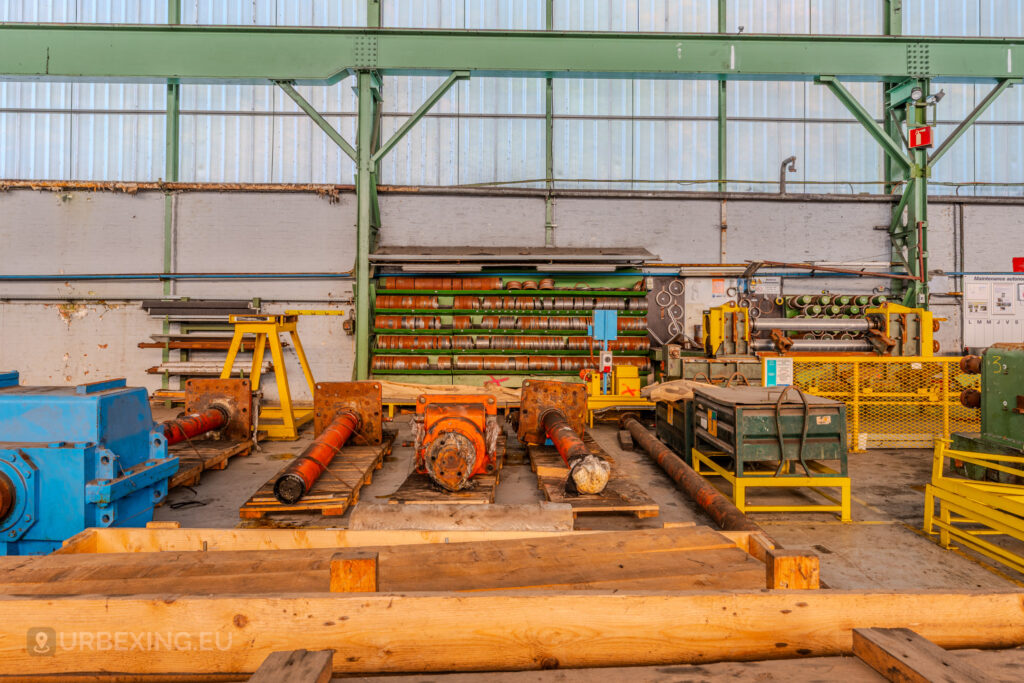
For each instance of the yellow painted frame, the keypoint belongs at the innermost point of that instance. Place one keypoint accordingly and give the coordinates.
(999, 508)
(740, 484)
(267, 330)
(597, 401)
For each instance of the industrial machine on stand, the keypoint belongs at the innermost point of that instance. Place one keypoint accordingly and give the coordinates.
(555, 412)
(611, 387)
(342, 411)
(890, 329)
(1001, 402)
(456, 438)
(81, 456)
(886, 330)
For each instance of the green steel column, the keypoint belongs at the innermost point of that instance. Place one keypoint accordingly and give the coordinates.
(172, 138)
(892, 25)
(549, 144)
(364, 188)
(723, 112)
(916, 230)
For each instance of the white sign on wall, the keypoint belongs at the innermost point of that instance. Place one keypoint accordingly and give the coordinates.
(993, 309)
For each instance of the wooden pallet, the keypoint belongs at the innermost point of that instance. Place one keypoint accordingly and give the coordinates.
(199, 456)
(334, 492)
(621, 494)
(418, 489)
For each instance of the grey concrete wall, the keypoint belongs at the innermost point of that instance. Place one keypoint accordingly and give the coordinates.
(52, 341)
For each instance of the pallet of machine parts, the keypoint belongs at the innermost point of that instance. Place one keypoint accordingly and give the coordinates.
(456, 438)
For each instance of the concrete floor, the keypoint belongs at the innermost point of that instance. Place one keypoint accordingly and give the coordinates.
(883, 548)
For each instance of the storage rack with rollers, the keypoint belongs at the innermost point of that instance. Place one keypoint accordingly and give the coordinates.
(467, 330)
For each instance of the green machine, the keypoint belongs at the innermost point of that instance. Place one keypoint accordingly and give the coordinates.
(1001, 401)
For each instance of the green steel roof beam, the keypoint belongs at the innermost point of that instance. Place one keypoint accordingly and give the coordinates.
(154, 53)
(971, 118)
(892, 148)
(319, 120)
(419, 113)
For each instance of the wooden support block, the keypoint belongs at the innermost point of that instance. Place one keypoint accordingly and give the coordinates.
(354, 571)
(792, 570)
(442, 517)
(625, 440)
(903, 656)
(163, 525)
(297, 666)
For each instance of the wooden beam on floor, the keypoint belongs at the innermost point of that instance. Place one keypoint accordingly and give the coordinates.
(792, 570)
(297, 666)
(354, 571)
(902, 656)
(440, 517)
(493, 631)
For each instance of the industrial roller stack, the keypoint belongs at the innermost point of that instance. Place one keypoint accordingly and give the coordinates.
(815, 322)
(522, 325)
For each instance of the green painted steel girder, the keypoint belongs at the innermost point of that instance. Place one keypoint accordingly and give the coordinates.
(318, 55)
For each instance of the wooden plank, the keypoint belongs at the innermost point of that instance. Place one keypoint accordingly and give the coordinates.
(334, 492)
(494, 631)
(903, 656)
(625, 440)
(199, 456)
(621, 494)
(354, 571)
(133, 540)
(418, 489)
(538, 517)
(297, 666)
(792, 570)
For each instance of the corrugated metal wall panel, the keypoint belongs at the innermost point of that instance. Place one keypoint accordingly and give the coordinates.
(491, 130)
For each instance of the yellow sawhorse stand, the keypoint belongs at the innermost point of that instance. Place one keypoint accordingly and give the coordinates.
(277, 423)
(704, 466)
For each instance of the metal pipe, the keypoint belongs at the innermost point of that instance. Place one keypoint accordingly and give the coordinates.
(825, 345)
(810, 324)
(708, 498)
(187, 426)
(588, 473)
(300, 476)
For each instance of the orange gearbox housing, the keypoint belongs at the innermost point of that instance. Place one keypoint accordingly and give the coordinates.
(456, 438)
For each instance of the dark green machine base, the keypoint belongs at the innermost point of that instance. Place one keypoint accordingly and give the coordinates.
(673, 425)
(974, 442)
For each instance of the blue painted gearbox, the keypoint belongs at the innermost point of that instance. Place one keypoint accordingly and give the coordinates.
(76, 457)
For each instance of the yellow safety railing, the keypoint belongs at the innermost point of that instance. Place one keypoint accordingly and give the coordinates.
(899, 402)
(970, 510)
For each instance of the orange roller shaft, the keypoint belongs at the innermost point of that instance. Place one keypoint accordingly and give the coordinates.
(187, 426)
(565, 439)
(300, 476)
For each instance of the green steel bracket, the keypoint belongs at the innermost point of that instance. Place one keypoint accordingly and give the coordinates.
(424, 108)
(972, 118)
(892, 148)
(901, 93)
(319, 120)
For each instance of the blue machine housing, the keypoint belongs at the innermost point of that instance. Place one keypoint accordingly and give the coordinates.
(77, 457)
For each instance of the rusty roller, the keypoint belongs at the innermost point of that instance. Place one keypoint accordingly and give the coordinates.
(492, 303)
(463, 343)
(466, 303)
(185, 427)
(479, 283)
(632, 324)
(401, 363)
(444, 363)
(300, 476)
(529, 284)
(513, 284)
(407, 301)
(462, 322)
(456, 438)
(547, 283)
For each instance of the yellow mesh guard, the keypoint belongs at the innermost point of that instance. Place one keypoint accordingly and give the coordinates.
(903, 402)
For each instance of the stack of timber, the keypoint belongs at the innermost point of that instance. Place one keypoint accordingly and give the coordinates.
(621, 494)
(672, 559)
(419, 489)
(334, 492)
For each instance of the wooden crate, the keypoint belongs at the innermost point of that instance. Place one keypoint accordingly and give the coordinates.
(334, 492)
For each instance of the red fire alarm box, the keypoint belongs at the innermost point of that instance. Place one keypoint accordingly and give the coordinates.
(920, 137)
(1018, 264)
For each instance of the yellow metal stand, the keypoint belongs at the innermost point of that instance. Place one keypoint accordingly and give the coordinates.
(740, 484)
(998, 508)
(625, 392)
(278, 423)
